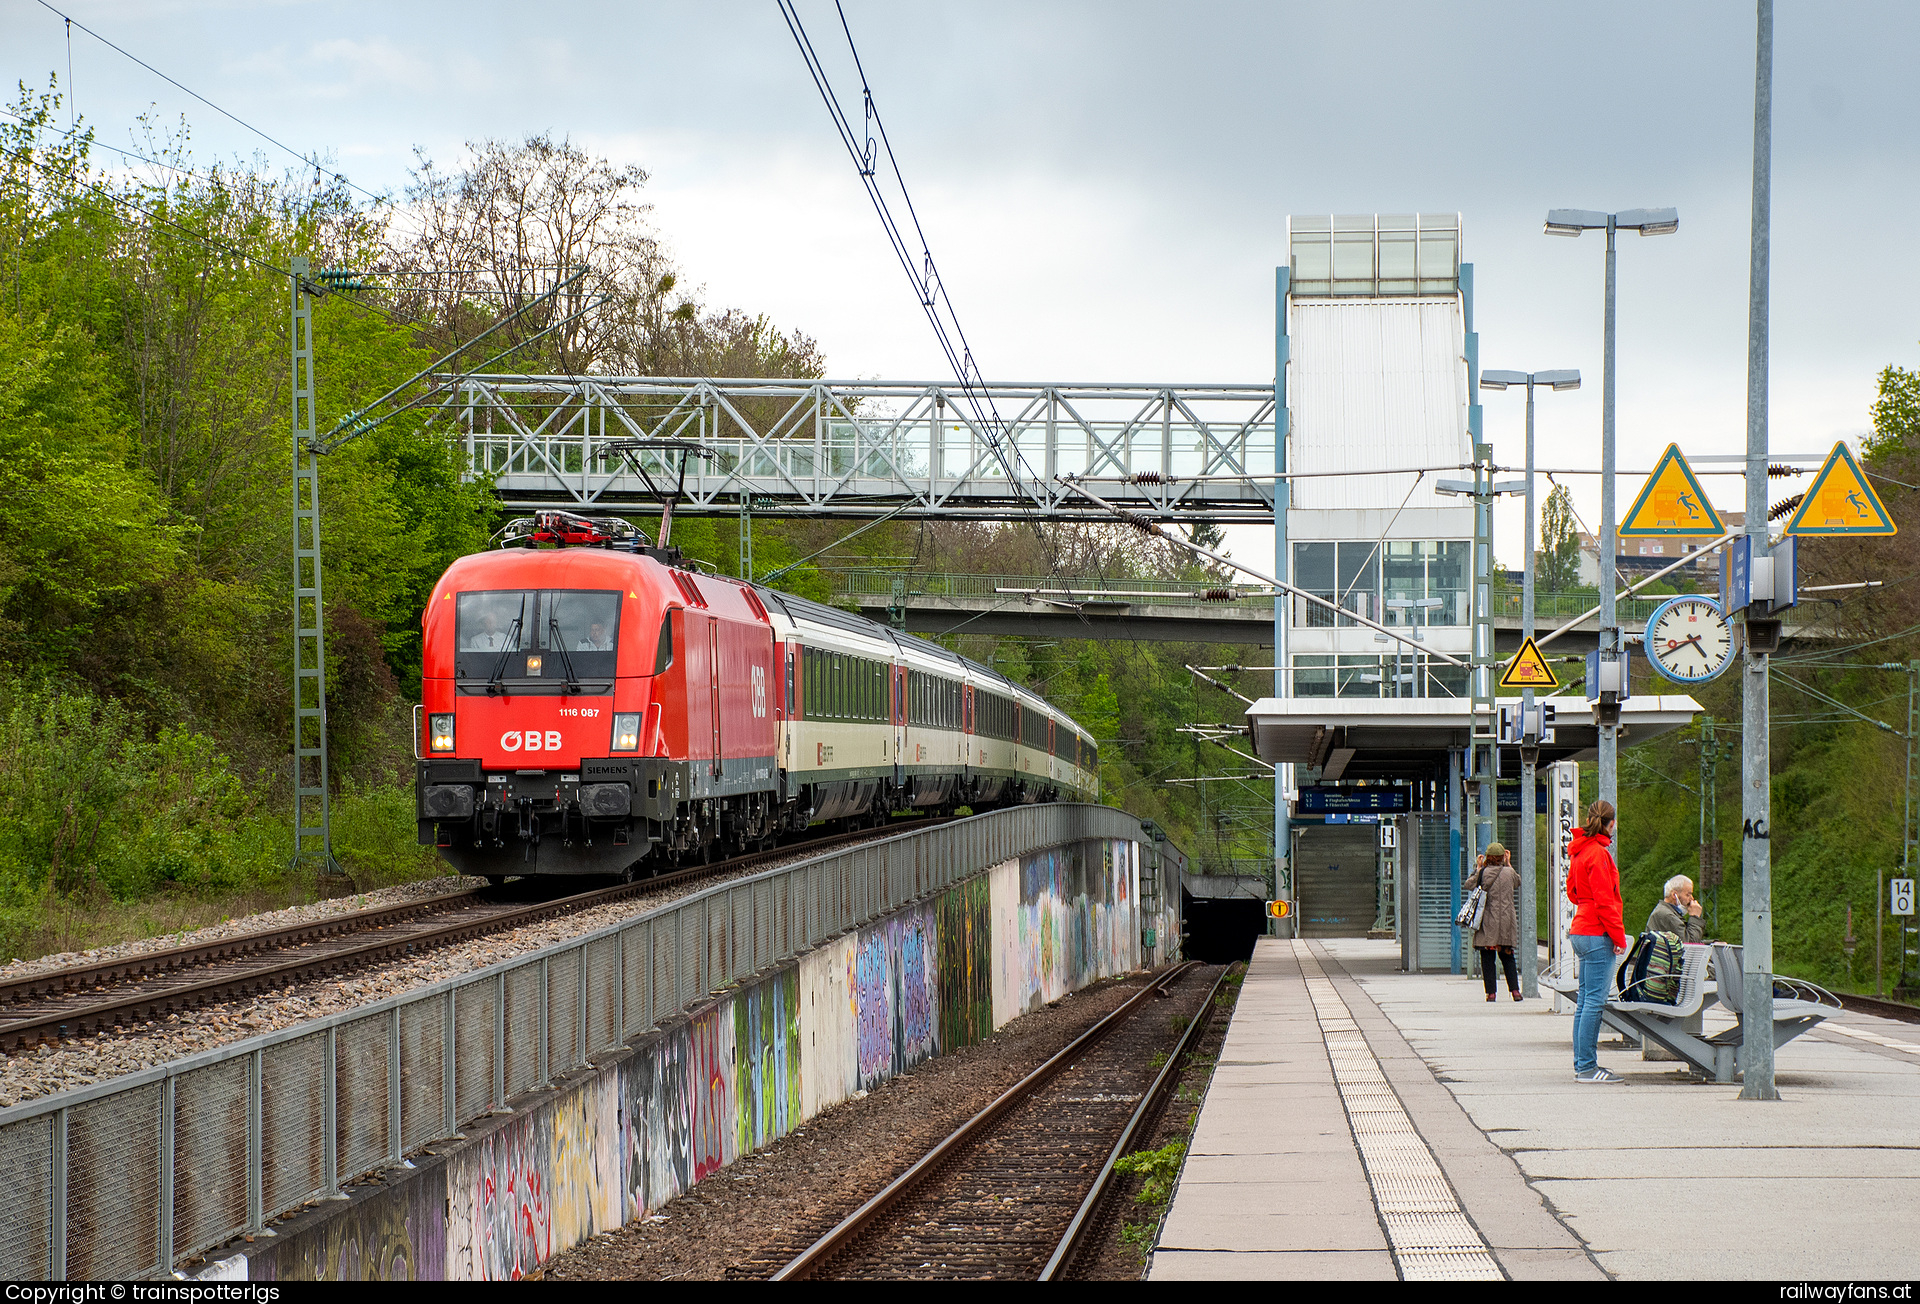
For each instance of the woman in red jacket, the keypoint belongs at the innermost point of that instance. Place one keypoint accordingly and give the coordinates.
(1598, 935)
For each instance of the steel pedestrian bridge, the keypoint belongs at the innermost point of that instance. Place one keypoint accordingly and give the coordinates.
(854, 448)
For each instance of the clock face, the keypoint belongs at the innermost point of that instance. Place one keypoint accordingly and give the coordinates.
(1689, 640)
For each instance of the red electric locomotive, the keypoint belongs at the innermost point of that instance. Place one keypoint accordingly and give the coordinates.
(591, 705)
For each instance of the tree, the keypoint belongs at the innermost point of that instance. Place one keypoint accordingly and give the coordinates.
(1557, 564)
(1896, 415)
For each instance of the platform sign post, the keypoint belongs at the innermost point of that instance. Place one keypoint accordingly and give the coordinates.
(1563, 805)
(1900, 905)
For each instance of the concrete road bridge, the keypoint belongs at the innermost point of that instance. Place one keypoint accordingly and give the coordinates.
(1168, 611)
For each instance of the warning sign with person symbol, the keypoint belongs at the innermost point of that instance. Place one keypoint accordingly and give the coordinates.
(1528, 669)
(1841, 502)
(1672, 502)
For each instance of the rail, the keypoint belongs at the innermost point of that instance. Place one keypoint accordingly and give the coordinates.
(123, 1179)
(76, 1002)
(894, 1194)
(1078, 1231)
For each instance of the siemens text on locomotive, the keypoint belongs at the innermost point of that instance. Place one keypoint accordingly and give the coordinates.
(593, 707)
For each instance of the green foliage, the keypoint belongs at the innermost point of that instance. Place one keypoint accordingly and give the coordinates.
(1896, 415)
(1158, 1170)
(1140, 1238)
(145, 537)
(1557, 566)
(90, 808)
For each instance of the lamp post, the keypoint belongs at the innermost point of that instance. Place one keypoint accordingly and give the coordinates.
(1529, 752)
(1613, 686)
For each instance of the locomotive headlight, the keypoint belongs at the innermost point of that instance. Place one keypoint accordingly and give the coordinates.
(533, 667)
(440, 733)
(626, 732)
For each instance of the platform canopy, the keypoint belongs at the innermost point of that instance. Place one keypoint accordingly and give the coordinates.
(1392, 738)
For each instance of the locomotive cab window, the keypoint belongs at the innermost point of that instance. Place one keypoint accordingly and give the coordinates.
(537, 640)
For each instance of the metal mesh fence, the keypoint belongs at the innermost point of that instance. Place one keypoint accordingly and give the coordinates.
(475, 1058)
(360, 1077)
(26, 1199)
(97, 1195)
(113, 1186)
(666, 966)
(210, 1153)
(563, 1012)
(292, 1122)
(523, 1028)
(636, 979)
(423, 1079)
(603, 995)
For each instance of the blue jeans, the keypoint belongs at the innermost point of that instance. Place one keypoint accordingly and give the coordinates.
(1596, 973)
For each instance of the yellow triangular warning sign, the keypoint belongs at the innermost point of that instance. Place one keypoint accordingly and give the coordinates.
(1841, 501)
(1672, 502)
(1528, 669)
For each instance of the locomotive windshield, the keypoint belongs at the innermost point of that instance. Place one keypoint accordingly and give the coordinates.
(533, 637)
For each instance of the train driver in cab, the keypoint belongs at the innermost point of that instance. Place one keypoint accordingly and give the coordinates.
(596, 639)
(489, 637)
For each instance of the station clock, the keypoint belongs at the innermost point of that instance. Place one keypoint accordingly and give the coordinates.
(1689, 640)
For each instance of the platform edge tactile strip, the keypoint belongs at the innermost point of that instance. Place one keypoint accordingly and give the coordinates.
(1429, 1233)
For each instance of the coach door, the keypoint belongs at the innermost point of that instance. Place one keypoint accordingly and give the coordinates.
(966, 721)
(899, 724)
(713, 694)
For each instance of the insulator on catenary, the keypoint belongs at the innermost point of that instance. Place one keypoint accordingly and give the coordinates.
(1218, 595)
(1148, 477)
(1779, 472)
(1142, 524)
(1784, 506)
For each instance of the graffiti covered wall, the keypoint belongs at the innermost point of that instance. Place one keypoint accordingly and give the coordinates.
(399, 1234)
(1072, 915)
(732, 1075)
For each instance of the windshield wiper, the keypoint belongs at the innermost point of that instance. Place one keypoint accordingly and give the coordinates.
(553, 628)
(494, 687)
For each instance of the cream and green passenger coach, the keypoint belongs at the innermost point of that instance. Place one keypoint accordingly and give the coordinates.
(871, 720)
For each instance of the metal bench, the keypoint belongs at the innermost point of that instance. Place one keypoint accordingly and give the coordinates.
(1792, 1015)
(1717, 1056)
(1676, 1027)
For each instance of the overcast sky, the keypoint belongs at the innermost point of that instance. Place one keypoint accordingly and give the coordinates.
(1106, 186)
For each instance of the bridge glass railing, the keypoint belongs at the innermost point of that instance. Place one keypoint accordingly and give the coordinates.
(906, 452)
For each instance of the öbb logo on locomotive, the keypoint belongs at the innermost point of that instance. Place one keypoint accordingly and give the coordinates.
(593, 705)
(532, 740)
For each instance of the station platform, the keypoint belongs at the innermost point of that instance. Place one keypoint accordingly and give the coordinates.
(1368, 1124)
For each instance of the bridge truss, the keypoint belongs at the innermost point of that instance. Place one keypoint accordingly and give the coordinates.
(855, 448)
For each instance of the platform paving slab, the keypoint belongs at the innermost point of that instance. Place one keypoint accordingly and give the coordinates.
(1273, 1111)
(1269, 1265)
(1817, 1184)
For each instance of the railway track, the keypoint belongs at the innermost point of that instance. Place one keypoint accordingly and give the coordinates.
(88, 1000)
(1885, 1009)
(1017, 1191)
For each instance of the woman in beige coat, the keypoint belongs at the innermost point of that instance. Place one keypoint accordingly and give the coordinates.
(1499, 930)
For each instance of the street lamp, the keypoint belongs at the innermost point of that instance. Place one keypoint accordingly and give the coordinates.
(1571, 222)
(1529, 755)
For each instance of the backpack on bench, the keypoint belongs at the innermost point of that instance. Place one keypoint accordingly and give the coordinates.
(1651, 971)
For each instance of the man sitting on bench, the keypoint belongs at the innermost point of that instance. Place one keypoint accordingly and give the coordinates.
(1678, 913)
